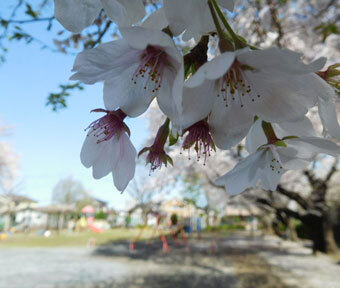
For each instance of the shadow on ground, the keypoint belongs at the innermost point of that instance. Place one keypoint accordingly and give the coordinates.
(202, 263)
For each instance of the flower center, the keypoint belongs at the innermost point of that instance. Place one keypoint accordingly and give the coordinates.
(151, 68)
(235, 86)
(156, 159)
(276, 166)
(107, 126)
(199, 136)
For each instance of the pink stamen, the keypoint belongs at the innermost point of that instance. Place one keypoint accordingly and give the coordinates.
(199, 136)
(235, 85)
(107, 126)
(151, 68)
(155, 159)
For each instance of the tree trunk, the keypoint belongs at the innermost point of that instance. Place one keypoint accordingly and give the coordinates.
(291, 230)
(145, 219)
(331, 246)
(321, 233)
(60, 222)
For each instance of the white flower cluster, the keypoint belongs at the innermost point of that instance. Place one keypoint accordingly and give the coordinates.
(262, 95)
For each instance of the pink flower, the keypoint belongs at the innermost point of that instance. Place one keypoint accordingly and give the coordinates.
(157, 156)
(199, 136)
(107, 148)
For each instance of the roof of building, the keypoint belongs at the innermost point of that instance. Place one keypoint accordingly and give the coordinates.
(234, 210)
(56, 209)
(20, 198)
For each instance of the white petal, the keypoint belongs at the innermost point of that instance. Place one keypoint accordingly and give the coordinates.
(124, 169)
(244, 175)
(122, 92)
(212, 70)
(106, 158)
(90, 150)
(302, 128)
(307, 148)
(229, 125)
(279, 59)
(75, 15)
(140, 37)
(104, 62)
(329, 118)
(174, 11)
(280, 97)
(156, 20)
(270, 178)
(228, 4)
(255, 137)
(327, 107)
(124, 12)
(199, 22)
(288, 159)
(197, 104)
(169, 96)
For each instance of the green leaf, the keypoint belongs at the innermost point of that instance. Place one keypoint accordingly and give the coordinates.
(4, 23)
(280, 144)
(327, 29)
(29, 11)
(172, 139)
(290, 137)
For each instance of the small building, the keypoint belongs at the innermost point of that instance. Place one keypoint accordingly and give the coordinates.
(187, 213)
(179, 207)
(56, 216)
(243, 214)
(99, 205)
(17, 211)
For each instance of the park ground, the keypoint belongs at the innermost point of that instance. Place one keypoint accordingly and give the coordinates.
(228, 260)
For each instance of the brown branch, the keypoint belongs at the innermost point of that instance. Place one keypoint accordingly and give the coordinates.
(324, 10)
(100, 35)
(276, 22)
(331, 172)
(198, 54)
(14, 21)
(288, 212)
(311, 178)
(294, 196)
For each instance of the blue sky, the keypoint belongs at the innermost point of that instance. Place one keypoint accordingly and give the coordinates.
(49, 142)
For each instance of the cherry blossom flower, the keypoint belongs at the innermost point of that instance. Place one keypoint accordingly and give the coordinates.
(75, 15)
(143, 65)
(273, 84)
(156, 153)
(107, 148)
(327, 103)
(199, 136)
(198, 23)
(268, 162)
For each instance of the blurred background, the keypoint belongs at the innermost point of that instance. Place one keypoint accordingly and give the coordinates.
(174, 228)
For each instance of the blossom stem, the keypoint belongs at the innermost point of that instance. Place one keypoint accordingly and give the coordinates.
(269, 132)
(162, 134)
(225, 44)
(234, 36)
(168, 31)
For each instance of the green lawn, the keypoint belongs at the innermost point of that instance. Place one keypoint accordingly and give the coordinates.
(72, 239)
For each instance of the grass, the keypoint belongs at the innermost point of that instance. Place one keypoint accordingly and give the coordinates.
(72, 239)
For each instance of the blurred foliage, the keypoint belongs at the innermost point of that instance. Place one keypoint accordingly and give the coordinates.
(100, 215)
(327, 29)
(303, 231)
(226, 227)
(174, 219)
(22, 12)
(59, 100)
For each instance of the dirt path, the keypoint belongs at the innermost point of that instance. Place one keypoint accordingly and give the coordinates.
(232, 262)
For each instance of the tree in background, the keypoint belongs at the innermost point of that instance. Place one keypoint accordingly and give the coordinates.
(9, 162)
(70, 192)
